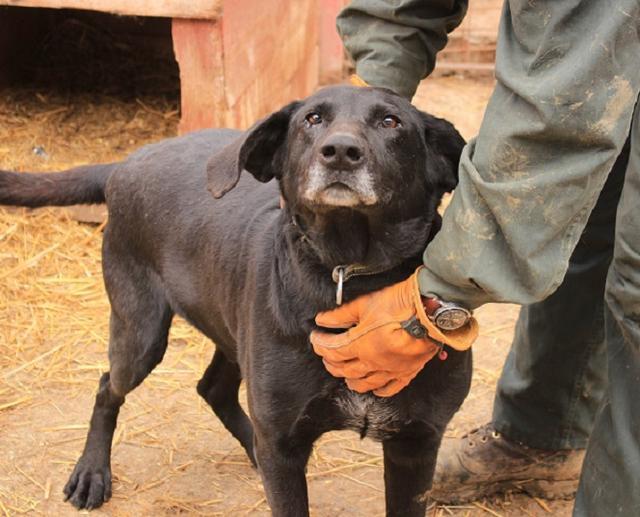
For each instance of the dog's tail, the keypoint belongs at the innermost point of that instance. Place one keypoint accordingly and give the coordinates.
(81, 185)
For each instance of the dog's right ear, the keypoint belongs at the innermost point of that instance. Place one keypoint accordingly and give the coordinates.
(256, 151)
(445, 144)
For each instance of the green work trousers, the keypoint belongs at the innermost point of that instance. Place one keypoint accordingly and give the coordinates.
(610, 482)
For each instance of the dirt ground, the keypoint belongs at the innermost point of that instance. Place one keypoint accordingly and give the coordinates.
(170, 455)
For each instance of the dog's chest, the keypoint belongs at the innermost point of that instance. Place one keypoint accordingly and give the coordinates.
(368, 415)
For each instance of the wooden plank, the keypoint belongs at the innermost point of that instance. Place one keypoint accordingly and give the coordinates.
(203, 9)
(267, 95)
(332, 54)
(277, 32)
(270, 55)
(198, 49)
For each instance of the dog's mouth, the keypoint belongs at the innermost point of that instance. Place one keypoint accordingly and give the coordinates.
(337, 189)
(339, 194)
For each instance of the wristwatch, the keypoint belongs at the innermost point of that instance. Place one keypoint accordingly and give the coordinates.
(445, 315)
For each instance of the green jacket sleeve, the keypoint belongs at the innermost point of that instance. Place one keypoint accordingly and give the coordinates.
(394, 42)
(568, 77)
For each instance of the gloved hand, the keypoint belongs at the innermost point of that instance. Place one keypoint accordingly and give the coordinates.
(376, 352)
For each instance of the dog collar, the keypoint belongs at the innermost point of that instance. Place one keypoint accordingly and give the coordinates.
(342, 273)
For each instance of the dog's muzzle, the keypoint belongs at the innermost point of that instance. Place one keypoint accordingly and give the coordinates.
(340, 188)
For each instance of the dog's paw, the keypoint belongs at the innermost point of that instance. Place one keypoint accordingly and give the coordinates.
(88, 486)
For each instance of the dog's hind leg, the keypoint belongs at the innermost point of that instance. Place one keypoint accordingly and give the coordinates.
(139, 326)
(219, 387)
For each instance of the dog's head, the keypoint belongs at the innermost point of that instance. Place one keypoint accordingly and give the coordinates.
(363, 149)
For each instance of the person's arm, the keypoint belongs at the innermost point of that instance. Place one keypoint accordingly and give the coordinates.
(394, 43)
(557, 120)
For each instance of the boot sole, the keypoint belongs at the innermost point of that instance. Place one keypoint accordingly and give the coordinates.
(544, 489)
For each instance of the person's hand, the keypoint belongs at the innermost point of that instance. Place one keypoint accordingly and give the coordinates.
(377, 353)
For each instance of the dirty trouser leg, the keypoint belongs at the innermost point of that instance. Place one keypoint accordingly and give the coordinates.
(610, 482)
(555, 373)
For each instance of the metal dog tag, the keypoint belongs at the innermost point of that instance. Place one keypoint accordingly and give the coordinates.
(339, 273)
(338, 276)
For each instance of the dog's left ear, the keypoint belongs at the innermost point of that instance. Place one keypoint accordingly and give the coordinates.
(256, 151)
(444, 149)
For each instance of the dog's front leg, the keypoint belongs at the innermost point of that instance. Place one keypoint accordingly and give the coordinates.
(409, 465)
(282, 464)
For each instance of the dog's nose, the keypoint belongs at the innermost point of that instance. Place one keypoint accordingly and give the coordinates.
(342, 151)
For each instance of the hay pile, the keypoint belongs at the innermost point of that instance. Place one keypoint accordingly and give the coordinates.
(42, 130)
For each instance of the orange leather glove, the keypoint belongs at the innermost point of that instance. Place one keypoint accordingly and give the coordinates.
(356, 80)
(376, 353)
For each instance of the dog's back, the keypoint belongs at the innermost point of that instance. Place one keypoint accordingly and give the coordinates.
(161, 214)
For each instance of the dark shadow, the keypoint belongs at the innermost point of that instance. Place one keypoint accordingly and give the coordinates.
(73, 51)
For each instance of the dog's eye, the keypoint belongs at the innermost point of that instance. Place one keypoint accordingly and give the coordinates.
(313, 118)
(391, 121)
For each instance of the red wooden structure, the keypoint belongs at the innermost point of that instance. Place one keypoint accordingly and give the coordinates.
(238, 59)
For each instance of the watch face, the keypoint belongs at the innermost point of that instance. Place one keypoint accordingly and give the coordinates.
(451, 318)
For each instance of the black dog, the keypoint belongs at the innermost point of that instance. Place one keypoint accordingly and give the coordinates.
(361, 173)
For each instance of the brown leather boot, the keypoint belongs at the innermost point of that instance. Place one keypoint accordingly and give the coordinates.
(484, 462)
